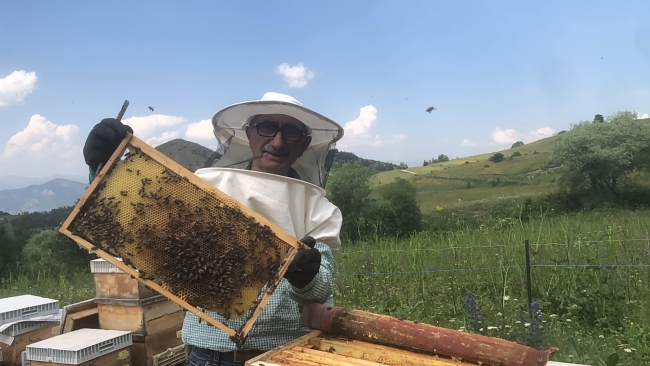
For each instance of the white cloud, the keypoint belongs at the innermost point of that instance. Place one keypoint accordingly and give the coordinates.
(509, 136)
(166, 136)
(295, 76)
(357, 131)
(539, 133)
(43, 139)
(148, 127)
(16, 86)
(201, 130)
(642, 115)
(361, 125)
(467, 142)
(500, 136)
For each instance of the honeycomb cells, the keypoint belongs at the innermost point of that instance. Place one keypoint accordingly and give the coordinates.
(195, 244)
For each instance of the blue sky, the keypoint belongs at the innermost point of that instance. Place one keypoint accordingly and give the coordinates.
(497, 71)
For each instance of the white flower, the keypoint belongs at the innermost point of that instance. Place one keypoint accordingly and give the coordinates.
(499, 314)
(506, 298)
(527, 325)
(492, 328)
(627, 350)
(507, 325)
(568, 320)
(553, 315)
(601, 336)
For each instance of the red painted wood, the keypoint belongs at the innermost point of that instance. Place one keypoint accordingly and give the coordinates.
(390, 331)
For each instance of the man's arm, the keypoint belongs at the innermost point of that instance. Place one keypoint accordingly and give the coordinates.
(321, 287)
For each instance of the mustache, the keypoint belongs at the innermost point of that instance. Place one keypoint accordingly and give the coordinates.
(273, 151)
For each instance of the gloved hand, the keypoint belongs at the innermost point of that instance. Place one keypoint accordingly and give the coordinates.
(102, 141)
(305, 264)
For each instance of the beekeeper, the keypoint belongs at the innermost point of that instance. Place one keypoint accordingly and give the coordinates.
(274, 157)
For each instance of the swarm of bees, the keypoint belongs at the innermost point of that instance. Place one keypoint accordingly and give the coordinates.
(193, 244)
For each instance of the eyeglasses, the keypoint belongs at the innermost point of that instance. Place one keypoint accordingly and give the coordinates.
(270, 129)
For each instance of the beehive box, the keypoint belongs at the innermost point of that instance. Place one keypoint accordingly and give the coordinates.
(113, 283)
(11, 353)
(188, 240)
(24, 307)
(171, 357)
(88, 347)
(163, 347)
(144, 320)
(319, 348)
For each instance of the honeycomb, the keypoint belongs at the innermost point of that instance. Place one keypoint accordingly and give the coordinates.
(198, 245)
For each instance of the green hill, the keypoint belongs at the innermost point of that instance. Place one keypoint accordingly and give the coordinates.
(444, 185)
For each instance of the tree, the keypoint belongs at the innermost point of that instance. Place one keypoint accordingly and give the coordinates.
(517, 144)
(599, 118)
(348, 187)
(425, 163)
(443, 157)
(599, 156)
(497, 157)
(400, 213)
(10, 252)
(52, 251)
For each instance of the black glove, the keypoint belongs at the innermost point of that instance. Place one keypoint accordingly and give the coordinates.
(102, 141)
(305, 264)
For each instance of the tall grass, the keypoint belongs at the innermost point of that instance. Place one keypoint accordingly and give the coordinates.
(68, 288)
(591, 274)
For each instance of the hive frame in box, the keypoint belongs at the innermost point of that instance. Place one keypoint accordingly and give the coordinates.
(238, 336)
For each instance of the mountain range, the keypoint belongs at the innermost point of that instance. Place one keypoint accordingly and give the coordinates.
(35, 194)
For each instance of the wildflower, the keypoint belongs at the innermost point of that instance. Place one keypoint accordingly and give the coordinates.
(568, 320)
(601, 336)
(506, 298)
(492, 328)
(627, 350)
(473, 315)
(553, 315)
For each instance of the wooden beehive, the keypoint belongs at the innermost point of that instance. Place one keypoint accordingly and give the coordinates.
(113, 283)
(11, 353)
(319, 348)
(87, 347)
(181, 236)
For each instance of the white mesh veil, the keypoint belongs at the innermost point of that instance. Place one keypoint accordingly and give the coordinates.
(313, 166)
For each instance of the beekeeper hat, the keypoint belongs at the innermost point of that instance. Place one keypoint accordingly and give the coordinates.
(229, 128)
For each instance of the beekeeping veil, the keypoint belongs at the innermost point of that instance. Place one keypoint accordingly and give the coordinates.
(300, 207)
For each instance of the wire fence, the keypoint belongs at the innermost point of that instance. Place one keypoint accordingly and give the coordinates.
(525, 251)
(576, 243)
(520, 266)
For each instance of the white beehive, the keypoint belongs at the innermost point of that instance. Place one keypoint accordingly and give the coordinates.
(26, 326)
(102, 266)
(24, 307)
(78, 346)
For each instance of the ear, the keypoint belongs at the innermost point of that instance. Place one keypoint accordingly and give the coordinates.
(304, 145)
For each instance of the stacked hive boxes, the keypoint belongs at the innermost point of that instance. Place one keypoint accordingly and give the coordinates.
(125, 304)
(88, 347)
(17, 331)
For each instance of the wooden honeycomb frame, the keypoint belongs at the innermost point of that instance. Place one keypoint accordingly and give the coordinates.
(268, 234)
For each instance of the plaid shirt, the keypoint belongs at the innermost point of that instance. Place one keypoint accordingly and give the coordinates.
(279, 323)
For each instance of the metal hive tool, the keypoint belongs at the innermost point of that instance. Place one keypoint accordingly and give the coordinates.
(181, 236)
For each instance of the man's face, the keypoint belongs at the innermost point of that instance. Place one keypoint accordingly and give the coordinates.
(276, 154)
